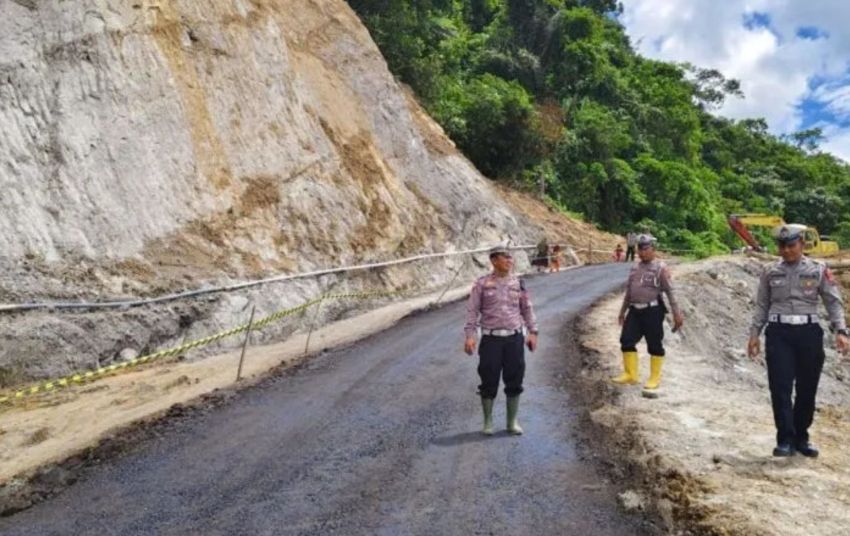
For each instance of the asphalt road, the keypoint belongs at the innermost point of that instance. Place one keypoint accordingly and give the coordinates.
(380, 437)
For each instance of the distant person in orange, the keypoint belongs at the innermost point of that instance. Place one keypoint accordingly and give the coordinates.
(555, 261)
(618, 253)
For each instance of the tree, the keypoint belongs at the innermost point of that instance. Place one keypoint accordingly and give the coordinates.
(809, 139)
(710, 86)
(494, 122)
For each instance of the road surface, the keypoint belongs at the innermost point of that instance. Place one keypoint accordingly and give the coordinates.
(380, 437)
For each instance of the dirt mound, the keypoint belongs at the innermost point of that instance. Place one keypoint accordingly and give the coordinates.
(712, 427)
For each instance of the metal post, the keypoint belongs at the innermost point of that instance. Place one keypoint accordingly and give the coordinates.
(245, 343)
(590, 252)
(313, 325)
(457, 273)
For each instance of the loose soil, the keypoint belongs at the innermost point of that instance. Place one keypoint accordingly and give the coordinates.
(700, 454)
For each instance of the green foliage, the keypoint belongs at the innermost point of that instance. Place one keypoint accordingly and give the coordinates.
(842, 235)
(493, 122)
(635, 144)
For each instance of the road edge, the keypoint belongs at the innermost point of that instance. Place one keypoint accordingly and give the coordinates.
(610, 433)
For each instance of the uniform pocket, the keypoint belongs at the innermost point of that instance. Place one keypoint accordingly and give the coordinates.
(649, 280)
(778, 287)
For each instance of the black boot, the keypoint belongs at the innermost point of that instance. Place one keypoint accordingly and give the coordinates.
(807, 449)
(783, 450)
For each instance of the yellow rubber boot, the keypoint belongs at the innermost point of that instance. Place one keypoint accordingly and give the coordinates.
(630, 369)
(654, 372)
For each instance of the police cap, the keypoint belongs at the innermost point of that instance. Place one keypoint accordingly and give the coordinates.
(499, 250)
(786, 234)
(646, 240)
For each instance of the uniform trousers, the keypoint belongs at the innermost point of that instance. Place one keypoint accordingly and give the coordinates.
(630, 253)
(640, 323)
(501, 357)
(794, 359)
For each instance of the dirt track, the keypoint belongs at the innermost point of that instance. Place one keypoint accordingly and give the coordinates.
(376, 438)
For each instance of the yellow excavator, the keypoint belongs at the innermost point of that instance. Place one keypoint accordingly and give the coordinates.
(815, 246)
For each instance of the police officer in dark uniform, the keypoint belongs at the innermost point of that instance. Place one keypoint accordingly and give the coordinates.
(787, 301)
(500, 305)
(642, 314)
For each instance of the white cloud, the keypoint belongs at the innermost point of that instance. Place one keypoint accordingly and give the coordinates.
(836, 98)
(776, 66)
(837, 142)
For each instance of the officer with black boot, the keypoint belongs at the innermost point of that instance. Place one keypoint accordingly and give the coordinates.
(500, 305)
(787, 301)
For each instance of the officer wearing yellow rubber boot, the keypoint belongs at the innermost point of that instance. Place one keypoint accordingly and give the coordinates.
(642, 314)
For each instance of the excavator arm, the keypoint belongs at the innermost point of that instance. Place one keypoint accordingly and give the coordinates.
(814, 243)
(739, 223)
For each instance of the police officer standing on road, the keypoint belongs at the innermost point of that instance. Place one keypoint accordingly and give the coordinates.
(642, 313)
(787, 301)
(500, 305)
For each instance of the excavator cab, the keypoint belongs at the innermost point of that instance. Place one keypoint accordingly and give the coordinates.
(818, 246)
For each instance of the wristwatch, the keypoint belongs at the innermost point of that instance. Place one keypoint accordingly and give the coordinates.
(535, 332)
(843, 331)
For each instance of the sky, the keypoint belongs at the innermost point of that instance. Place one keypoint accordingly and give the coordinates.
(791, 56)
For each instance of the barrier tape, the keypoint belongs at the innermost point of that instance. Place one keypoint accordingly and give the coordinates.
(83, 377)
(91, 375)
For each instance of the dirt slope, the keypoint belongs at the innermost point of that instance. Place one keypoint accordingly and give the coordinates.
(702, 450)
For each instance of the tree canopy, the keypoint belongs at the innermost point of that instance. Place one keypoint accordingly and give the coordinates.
(551, 92)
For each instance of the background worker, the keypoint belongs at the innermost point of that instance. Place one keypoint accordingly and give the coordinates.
(500, 305)
(631, 242)
(541, 259)
(642, 314)
(555, 259)
(787, 301)
(618, 253)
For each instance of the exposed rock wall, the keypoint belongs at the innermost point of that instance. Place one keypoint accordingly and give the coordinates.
(157, 145)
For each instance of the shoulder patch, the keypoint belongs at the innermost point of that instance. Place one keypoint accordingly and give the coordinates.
(827, 274)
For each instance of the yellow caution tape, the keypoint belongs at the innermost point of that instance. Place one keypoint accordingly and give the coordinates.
(82, 377)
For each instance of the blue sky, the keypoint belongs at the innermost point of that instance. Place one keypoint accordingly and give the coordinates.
(791, 56)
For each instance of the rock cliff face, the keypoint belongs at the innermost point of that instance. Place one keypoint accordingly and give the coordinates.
(157, 145)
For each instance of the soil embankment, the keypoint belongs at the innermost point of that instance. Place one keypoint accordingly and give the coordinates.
(700, 454)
